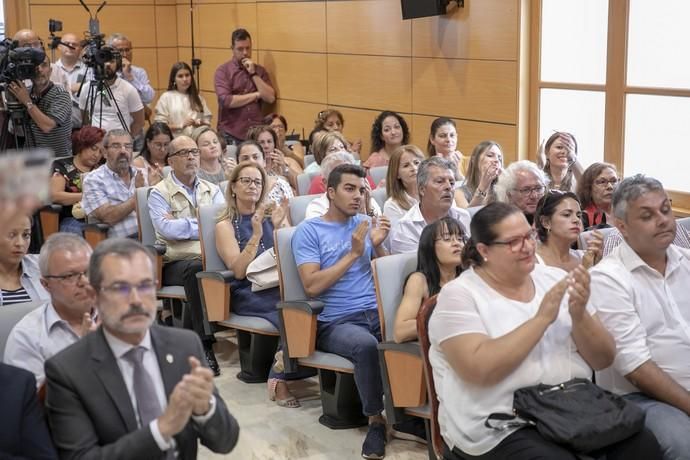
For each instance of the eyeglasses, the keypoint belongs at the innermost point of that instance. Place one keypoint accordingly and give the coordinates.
(606, 182)
(528, 191)
(450, 238)
(118, 146)
(247, 181)
(68, 278)
(124, 50)
(185, 152)
(516, 244)
(124, 290)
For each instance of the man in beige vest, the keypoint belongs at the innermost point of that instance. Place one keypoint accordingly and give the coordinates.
(173, 205)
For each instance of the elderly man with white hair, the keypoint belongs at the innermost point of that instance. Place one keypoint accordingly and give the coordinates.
(522, 184)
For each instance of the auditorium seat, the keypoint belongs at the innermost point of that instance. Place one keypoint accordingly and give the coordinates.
(298, 207)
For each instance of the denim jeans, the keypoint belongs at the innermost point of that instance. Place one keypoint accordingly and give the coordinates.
(355, 337)
(72, 225)
(670, 425)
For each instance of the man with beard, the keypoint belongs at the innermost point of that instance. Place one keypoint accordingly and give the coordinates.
(105, 108)
(522, 184)
(132, 389)
(49, 108)
(173, 205)
(66, 317)
(109, 191)
(641, 294)
(436, 186)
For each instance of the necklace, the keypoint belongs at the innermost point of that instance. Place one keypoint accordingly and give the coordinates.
(236, 223)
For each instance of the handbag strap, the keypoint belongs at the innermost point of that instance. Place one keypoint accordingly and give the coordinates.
(506, 421)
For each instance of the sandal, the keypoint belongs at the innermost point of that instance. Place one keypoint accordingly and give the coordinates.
(290, 402)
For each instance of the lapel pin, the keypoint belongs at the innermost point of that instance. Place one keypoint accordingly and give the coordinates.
(169, 358)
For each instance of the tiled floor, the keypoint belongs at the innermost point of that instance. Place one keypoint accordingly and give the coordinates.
(269, 432)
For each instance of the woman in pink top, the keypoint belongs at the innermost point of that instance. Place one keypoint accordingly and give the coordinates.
(388, 132)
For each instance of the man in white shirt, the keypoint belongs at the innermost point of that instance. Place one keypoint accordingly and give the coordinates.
(66, 317)
(436, 185)
(132, 389)
(75, 69)
(641, 293)
(522, 184)
(101, 110)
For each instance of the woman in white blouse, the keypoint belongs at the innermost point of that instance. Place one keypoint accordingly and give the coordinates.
(507, 323)
(181, 107)
(401, 181)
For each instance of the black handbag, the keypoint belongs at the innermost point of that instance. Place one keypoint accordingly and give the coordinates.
(578, 414)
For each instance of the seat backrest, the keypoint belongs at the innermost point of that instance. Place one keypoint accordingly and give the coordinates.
(11, 315)
(304, 181)
(378, 173)
(147, 233)
(584, 237)
(207, 237)
(423, 332)
(298, 207)
(308, 159)
(290, 283)
(390, 274)
(379, 195)
(231, 151)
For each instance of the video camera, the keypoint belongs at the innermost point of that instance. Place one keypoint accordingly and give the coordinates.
(18, 63)
(95, 53)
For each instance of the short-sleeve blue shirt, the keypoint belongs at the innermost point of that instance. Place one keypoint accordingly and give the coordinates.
(325, 243)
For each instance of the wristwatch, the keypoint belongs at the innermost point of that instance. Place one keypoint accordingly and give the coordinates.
(29, 105)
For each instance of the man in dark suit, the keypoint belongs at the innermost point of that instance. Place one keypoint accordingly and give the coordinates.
(23, 430)
(132, 390)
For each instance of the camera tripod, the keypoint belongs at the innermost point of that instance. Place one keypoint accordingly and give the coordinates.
(100, 87)
(21, 134)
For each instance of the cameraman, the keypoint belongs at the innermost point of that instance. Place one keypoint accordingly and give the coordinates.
(50, 110)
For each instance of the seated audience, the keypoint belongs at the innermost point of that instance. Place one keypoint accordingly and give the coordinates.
(62, 319)
(132, 389)
(521, 184)
(559, 158)
(333, 255)
(109, 191)
(641, 293)
(401, 182)
(503, 324)
(23, 433)
(66, 183)
(182, 107)
(388, 132)
(20, 278)
(595, 190)
(483, 169)
(332, 120)
(319, 206)
(443, 141)
(173, 206)
(435, 184)
(279, 125)
(152, 157)
(277, 187)
(244, 231)
(214, 165)
(439, 261)
(277, 162)
(558, 224)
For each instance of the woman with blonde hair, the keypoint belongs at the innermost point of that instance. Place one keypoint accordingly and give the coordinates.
(244, 230)
(483, 169)
(401, 182)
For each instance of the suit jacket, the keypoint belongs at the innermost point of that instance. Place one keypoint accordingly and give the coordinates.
(23, 430)
(90, 412)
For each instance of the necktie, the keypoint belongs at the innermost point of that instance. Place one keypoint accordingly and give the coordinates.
(144, 392)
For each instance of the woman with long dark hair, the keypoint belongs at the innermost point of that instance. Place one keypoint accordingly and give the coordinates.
(181, 106)
(439, 260)
(155, 151)
(388, 132)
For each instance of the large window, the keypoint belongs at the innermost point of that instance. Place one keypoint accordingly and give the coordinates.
(616, 74)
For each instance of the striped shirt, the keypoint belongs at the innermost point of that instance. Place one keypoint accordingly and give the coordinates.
(56, 104)
(17, 296)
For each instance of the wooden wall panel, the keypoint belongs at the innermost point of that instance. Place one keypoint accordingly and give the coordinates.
(470, 133)
(166, 26)
(358, 127)
(211, 59)
(487, 29)
(292, 26)
(370, 82)
(166, 58)
(368, 27)
(212, 102)
(184, 26)
(218, 22)
(476, 90)
(297, 76)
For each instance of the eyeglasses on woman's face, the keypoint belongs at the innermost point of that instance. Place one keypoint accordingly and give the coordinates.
(247, 181)
(518, 243)
(603, 183)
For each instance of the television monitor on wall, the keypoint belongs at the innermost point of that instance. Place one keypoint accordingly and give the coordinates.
(422, 8)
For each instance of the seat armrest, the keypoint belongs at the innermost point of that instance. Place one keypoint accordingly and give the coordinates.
(94, 233)
(402, 370)
(49, 218)
(298, 326)
(214, 287)
(158, 248)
